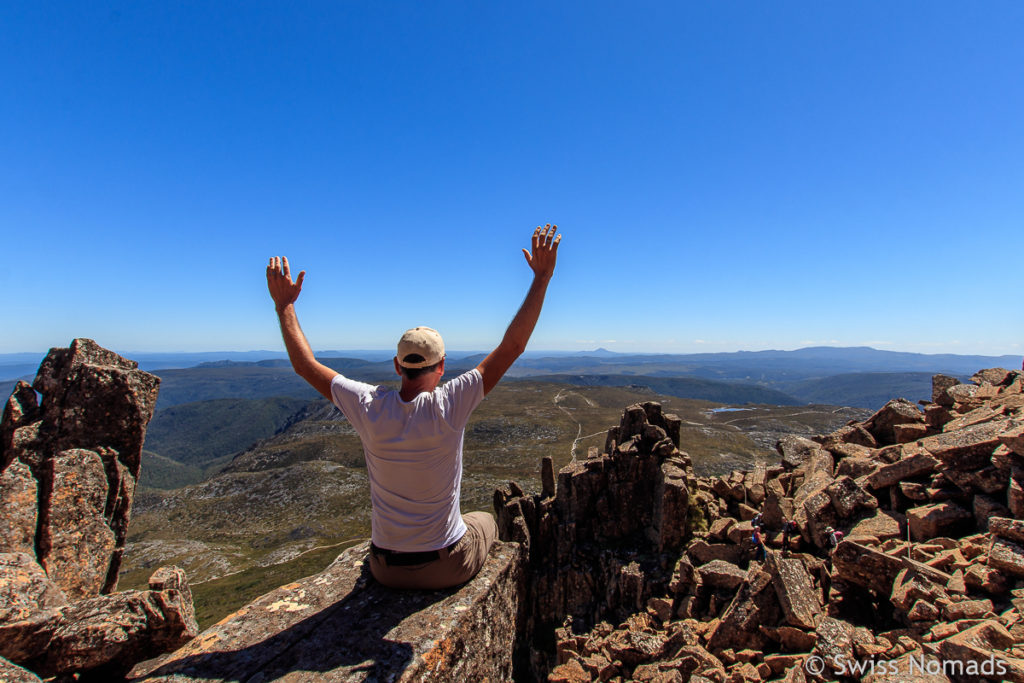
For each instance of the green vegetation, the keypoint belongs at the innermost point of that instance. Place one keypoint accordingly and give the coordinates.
(159, 472)
(870, 390)
(684, 387)
(196, 433)
(695, 517)
(217, 598)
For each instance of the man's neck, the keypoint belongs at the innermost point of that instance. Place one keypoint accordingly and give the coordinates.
(411, 390)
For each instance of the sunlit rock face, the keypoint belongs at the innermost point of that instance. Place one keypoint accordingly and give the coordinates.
(69, 466)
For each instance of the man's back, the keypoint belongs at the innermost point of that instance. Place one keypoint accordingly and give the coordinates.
(413, 457)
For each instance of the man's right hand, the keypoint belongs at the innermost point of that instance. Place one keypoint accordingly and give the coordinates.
(543, 252)
(279, 281)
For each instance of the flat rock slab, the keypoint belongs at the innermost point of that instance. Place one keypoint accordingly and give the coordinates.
(721, 574)
(341, 625)
(912, 466)
(866, 567)
(882, 526)
(1007, 557)
(969, 448)
(1010, 529)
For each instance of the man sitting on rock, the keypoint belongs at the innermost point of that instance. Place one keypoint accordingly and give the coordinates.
(412, 437)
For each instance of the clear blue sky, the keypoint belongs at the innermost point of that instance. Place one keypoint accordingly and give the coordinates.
(740, 175)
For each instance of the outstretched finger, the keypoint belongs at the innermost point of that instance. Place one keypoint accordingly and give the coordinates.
(554, 245)
(287, 270)
(298, 281)
(536, 237)
(529, 259)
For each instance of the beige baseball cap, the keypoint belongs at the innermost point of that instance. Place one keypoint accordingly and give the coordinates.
(422, 342)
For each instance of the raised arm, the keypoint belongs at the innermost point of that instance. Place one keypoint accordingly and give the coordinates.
(541, 259)
(284, 292)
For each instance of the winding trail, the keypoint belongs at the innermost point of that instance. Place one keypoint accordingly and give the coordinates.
(803, 412)
(274, 564)
(579, 425)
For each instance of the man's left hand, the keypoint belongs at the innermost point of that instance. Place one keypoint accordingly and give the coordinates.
(279, 281)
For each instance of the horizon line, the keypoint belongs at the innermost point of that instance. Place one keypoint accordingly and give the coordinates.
(600, 349)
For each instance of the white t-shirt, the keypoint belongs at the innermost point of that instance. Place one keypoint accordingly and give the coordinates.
(413, 456)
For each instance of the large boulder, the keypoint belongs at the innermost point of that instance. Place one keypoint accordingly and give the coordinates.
(19, 426)
(881, 526)
(93, 398)
(795, 450)
(113, 632)
(1010, 529)
(721, 574)
(848, 498)
(755, 605)
(794, 587)
(911, 466)
(940, 519)
(12, 673)
(866, 567)
(941, 384)
(980, 652)
(83, 446)
(896, 412)
(1007, 557)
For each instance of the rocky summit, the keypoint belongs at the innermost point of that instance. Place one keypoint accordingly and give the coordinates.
(889, 550)
(924, 580)
(68, 467)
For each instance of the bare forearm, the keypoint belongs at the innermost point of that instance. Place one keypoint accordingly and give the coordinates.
(299, 351)
(521, 328)
(301, 355)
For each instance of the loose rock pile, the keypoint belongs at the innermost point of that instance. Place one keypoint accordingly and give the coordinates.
(68, 467)
(928, 583)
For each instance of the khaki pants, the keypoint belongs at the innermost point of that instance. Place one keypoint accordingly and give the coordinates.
(455, 566)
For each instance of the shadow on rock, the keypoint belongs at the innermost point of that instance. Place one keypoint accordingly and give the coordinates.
(347, 638)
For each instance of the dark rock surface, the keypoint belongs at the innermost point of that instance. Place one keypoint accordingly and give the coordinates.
(596, 548)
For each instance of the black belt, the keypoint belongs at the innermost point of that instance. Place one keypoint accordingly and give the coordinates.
(395, 558)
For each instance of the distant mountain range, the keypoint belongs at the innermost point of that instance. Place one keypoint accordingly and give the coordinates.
(857, 376)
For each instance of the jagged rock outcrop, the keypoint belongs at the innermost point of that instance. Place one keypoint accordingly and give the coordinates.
(600, 545)
(82, 445)
(68, 467)
(927, 585)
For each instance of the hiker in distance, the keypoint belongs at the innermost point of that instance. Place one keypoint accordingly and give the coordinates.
(412, 437)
